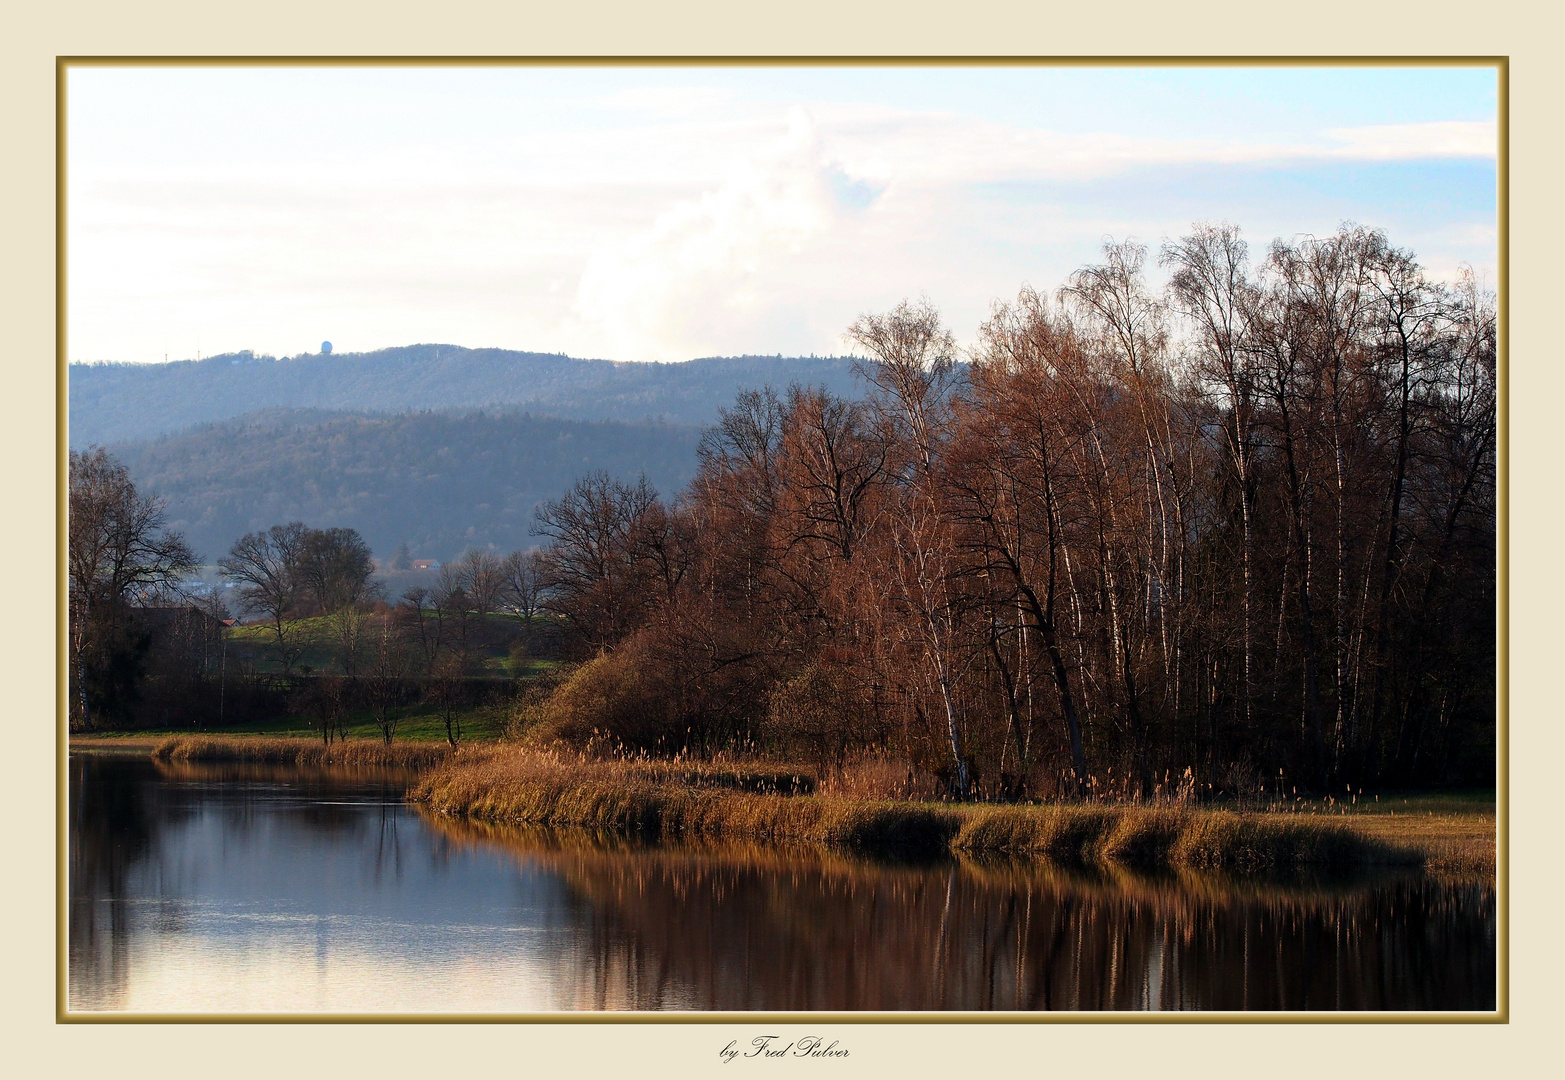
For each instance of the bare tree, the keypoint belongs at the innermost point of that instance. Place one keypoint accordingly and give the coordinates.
(594, 568)
(118, 545)
(265, 565)
(524, 591)
(483, 579)
(335, 568)
(1211, 288)
(912, 365)
(386, 673)
(453, 611)
(416, 609)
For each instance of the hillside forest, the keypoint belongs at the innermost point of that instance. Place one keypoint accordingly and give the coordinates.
(1234, 534)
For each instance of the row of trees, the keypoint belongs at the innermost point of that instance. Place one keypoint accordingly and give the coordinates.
(425, 648)
(1243, 526)
(292, 572)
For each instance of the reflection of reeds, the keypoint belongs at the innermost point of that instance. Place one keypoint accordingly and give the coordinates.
(307, 752)
(723, 924)
(632, 796)
(185, 770)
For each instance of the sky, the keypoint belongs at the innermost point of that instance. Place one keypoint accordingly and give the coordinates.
(665, 213)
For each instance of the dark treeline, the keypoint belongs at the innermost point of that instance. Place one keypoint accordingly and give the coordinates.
(1236, 534)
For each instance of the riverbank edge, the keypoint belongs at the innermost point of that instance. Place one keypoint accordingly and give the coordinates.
(1147, 837)
(264, 750)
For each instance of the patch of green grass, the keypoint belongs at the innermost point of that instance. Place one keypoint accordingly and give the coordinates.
(491, 637)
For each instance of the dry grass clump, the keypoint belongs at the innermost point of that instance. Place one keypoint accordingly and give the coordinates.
(1222, 840)
(1065, 834)
(1171, 836)
(279, 751)
(879, 778)
(657, 799)
(735, 774)
(1459, 845)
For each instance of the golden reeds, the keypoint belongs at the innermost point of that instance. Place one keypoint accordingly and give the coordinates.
(657, 799)
(279, 751)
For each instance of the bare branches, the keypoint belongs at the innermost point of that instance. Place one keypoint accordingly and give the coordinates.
(1047, 565)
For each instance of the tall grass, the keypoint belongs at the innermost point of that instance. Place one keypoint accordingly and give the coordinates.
(357, 752)
(657, 799)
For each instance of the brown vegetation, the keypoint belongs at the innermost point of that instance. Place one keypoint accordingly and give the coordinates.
(181, 748)
(991, 934)
(671, 799)
(1237, 536)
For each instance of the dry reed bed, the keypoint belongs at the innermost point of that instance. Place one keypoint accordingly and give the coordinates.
(1458, 845)
(307, 752)
(558, 791)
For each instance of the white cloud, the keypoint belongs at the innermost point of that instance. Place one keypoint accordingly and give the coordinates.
(680, 287)
(1449, 139)
(936, 148)
(656, 222)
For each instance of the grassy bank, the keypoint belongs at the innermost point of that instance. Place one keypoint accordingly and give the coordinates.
(653, 799)
(273, 751)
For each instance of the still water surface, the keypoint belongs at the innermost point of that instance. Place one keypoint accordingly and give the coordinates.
(255, 889)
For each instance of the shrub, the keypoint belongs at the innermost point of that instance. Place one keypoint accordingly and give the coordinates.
(619, 698)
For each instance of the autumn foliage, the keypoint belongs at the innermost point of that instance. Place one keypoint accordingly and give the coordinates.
(1238, 533)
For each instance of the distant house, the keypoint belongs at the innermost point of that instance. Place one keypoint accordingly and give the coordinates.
(425, 564)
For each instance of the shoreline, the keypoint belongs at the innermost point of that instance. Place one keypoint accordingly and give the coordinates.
(531, 788)
(771, 803)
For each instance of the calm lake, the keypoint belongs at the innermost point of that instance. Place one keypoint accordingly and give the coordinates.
(217, 889)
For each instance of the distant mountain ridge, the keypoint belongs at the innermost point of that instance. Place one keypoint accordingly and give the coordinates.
(439, 481)
(115, 403)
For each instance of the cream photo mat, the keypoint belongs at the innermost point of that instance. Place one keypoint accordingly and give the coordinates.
(662, 1048)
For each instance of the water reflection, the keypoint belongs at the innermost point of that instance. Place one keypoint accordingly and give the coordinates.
(750, 928)
(217, 889)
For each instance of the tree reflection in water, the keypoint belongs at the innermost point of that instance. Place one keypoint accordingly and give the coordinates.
(185, 879)
(738, 927)
(129, 861)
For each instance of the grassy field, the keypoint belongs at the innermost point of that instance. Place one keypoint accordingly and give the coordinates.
(491, 638)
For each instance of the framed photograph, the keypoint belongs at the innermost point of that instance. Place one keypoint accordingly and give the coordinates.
(541, 278)
(1000, 539)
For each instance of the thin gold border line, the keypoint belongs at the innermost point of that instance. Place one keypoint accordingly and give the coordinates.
(1502, 524)
(1502, 521)
(783, 60)
(61, 543)
(846, 1019)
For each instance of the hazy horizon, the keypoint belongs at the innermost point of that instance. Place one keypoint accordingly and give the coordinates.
(673, 213)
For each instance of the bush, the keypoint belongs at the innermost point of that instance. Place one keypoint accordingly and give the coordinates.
(817, 715)
(619, 698)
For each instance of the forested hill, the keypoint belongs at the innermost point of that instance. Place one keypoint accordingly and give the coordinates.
(440, 481)
(113, 403)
